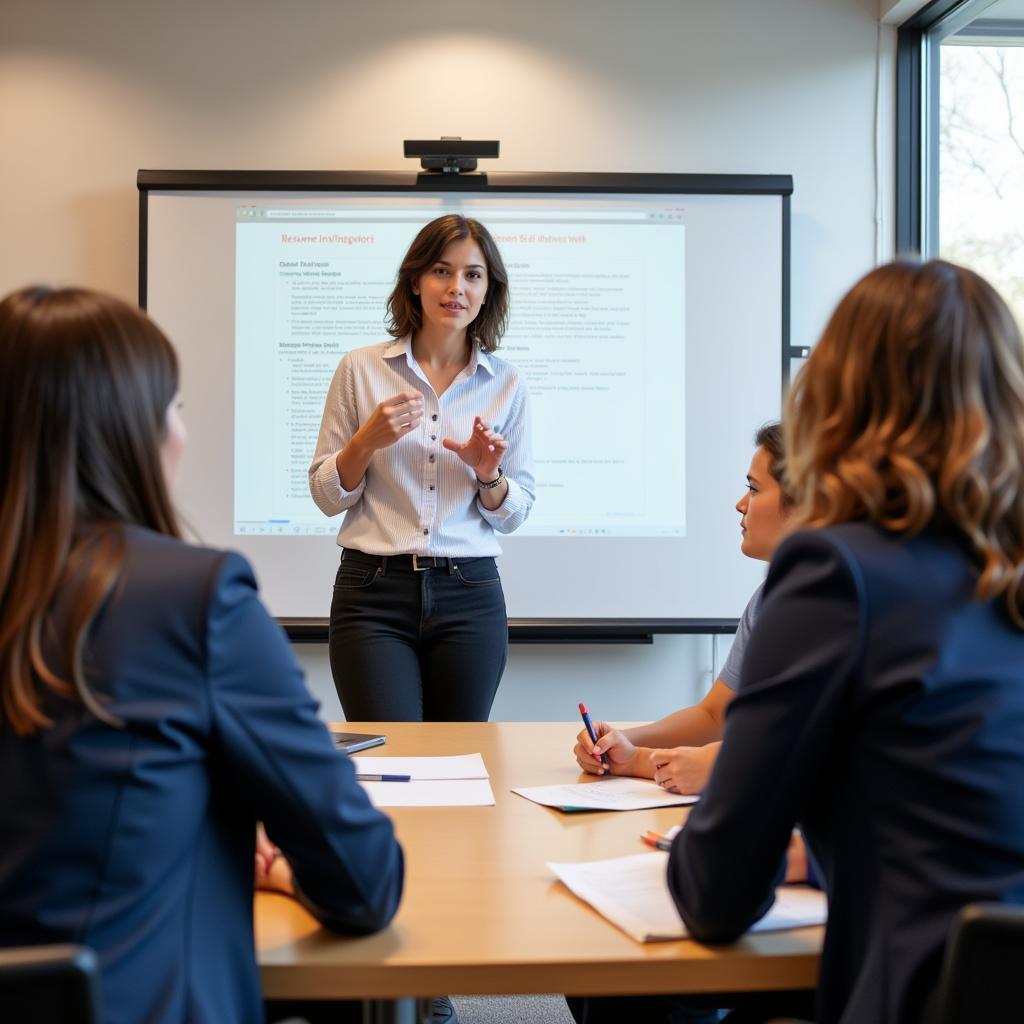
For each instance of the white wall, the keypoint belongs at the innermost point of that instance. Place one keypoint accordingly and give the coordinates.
(90, 92)
(895, 12)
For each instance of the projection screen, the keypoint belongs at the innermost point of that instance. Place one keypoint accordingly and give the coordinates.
(649, 318)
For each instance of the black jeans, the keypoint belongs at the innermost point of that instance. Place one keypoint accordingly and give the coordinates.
(417, 645)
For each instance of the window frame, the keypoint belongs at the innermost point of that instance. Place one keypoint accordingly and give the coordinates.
(917, 119)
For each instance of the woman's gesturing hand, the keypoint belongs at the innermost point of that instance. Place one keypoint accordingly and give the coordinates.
(391, 420)
(483, 451)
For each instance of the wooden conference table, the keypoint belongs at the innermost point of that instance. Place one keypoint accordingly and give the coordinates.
(481, 912)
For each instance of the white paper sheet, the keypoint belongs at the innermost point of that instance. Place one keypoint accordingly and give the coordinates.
(461, 766)
(618, 794)
(632, 893)
(431, 793)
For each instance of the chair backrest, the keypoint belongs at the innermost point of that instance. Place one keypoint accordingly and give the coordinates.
(983, 974)
(49, 985)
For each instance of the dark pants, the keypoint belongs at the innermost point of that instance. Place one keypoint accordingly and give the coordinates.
(417, 645)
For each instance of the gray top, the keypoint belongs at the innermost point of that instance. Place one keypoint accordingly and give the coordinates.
(730, 674)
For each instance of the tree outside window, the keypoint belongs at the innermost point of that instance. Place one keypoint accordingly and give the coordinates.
(981, 156)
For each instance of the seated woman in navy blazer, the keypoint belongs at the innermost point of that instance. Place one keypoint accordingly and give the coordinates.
(151, 711)
(881, 698)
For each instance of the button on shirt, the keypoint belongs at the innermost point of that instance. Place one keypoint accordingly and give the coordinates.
(416, 496)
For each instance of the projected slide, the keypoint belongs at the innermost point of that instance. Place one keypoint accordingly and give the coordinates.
(648, 319)
(597, 328)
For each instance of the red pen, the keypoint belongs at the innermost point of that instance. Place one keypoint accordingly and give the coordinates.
(590, 729)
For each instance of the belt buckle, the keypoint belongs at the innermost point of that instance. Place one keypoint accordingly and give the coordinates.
(416, 567)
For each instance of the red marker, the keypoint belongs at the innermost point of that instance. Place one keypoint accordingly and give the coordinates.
(659, 842)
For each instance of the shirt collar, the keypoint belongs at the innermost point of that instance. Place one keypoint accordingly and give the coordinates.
(481, 358)
(400, 346)
(403, 346)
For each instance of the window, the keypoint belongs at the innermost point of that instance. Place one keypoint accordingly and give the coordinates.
(960, 144)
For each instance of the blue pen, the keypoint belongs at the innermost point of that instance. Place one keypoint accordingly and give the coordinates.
(383, 778)
(590, 729)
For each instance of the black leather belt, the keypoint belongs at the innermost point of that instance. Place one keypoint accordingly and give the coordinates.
(413, 563)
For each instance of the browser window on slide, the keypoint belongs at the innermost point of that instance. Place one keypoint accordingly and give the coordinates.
(587, 280)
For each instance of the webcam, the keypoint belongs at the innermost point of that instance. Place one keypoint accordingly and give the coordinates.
(450, 155)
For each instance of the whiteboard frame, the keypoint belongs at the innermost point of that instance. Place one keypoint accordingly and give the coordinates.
(548, 631)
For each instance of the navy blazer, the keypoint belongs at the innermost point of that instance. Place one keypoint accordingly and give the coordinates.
(139, 841)
(882, 707)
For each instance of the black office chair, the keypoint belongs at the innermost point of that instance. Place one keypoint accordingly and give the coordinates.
(983, 974)
(49, 985)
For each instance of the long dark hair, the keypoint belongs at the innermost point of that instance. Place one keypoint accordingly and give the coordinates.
(85, 384)
(910, 412)
(405, 313)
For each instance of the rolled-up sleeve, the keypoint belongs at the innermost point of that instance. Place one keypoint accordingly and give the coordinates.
(517, 465)
(340, 421)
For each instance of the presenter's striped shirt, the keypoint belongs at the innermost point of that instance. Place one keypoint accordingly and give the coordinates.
(417, 497)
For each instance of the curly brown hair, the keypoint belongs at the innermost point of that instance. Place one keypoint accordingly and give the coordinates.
(910, 414)
(405, 314)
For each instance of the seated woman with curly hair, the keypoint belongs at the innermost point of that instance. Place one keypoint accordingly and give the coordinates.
(881, 698)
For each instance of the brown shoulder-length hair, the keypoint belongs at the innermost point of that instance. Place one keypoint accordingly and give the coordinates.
(910, 414)
(85, 384)
(405, 314)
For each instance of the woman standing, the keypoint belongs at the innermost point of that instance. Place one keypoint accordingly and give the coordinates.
(881, 698)
(425, 445)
